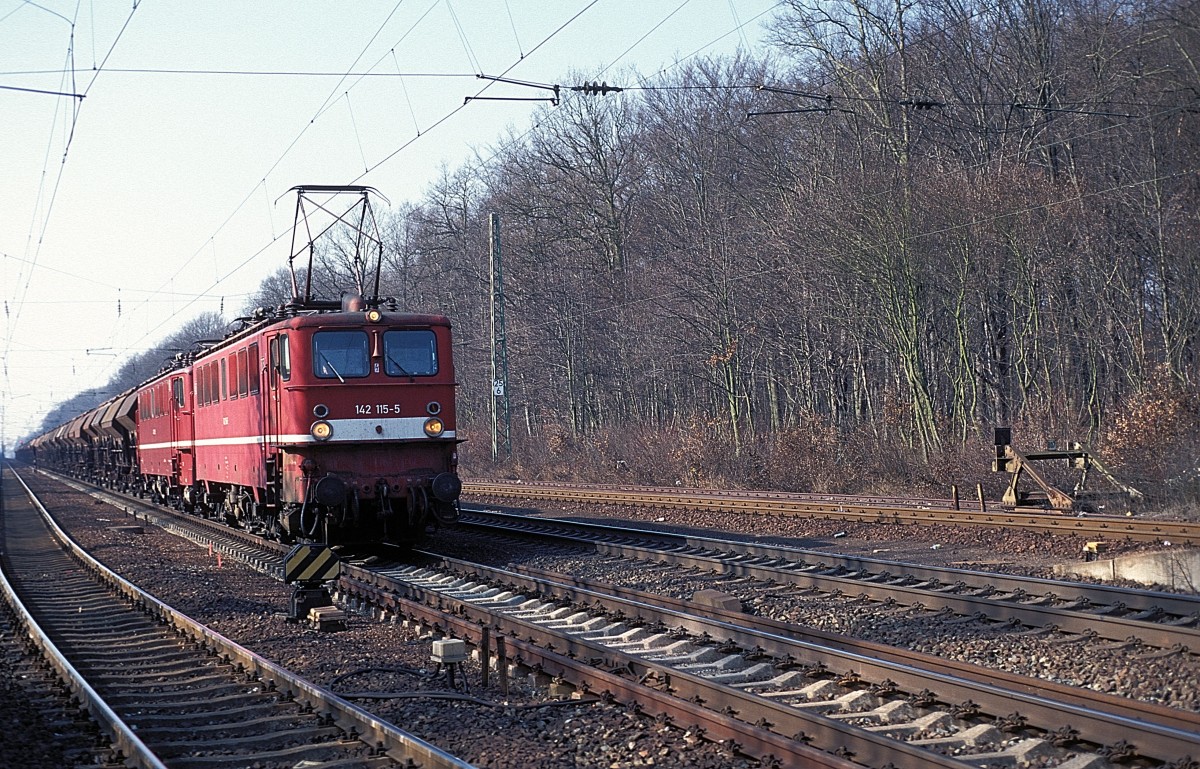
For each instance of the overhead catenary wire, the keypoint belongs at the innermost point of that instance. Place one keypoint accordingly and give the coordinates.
(103, 284)
(14, 322)
(407, 97)
(325, 105)
(642, 86)
(460, 107)
(1156, 109)
(41, 91)
(481, 344)
(643, 37)
(157, 327)
(513, 23)
(354, 125)
(462, 36)
(241, 73)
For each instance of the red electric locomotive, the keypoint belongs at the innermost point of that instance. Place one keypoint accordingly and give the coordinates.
(335, 426)
(327, 421)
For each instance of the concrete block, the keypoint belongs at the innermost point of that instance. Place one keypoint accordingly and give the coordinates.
(449, 650)
(1178, 568)
(717, 600)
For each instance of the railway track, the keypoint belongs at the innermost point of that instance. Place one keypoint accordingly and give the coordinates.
(850, 700)
(762, 689)
(869, 509)
(592, 733)
(44, 724)
(1157, 619)
(197, 699)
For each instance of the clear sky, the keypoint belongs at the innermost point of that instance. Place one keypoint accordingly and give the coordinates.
(162, 192)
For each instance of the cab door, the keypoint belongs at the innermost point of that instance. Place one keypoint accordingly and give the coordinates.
(182, 431)
(279, 371)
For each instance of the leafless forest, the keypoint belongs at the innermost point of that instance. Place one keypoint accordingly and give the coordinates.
(837, 265)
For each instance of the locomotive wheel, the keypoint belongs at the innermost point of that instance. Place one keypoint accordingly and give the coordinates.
(275, 529)
(247, 510)
(226, 513)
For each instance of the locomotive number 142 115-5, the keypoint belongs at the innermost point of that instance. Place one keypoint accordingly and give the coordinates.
(376, 409)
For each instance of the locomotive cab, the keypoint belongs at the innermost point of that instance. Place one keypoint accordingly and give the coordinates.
(360, 407)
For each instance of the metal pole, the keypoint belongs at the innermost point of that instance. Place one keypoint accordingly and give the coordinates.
(485, 654)
(502, 664)
(501, 418)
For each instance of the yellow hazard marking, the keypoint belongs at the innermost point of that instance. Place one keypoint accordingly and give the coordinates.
(311, 563)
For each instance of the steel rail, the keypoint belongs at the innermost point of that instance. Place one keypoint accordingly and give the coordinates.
(358, 583)
(912, 673)
(351, 718)
(1161, 742)
(798, 505)
(194, 528)
(1029, 615)
(870, 576)
(677, 680)
(1174, 603)
(877, 579)
(590, 666)
(552, 583)
(121, 735)
(851, 499)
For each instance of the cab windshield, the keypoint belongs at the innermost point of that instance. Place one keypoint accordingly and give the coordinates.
(410, 353)
(340, 354)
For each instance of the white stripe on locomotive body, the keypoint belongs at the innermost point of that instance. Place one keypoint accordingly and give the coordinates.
(344, 431)
(396, 428)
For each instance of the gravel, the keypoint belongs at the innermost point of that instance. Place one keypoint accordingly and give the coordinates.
(525, 729)
(1120, 669)
(529, 729)
(38, 727)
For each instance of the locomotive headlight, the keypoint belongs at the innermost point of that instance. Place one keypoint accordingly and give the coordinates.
(434, 427)
(322, 430)
(374, 315)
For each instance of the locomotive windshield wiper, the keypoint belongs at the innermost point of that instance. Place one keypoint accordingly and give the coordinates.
(399, 368)
(331, 367)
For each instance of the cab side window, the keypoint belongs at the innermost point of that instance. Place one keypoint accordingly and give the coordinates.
(285, 358)
(252, 366)
(243, 378)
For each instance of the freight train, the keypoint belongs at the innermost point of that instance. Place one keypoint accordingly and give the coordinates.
(317, 421)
